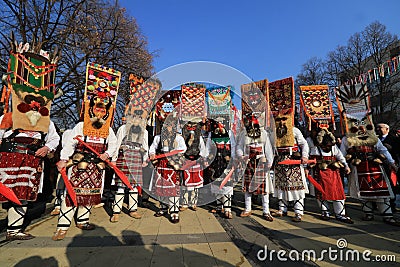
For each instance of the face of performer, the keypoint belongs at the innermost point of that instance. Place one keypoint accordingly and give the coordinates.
(99, 112)
(220, 129)
(34, 108)
(313, 133)
(281, 128)
(191, 127)
(169, 128)
(136, 126)
(362, 129)
(252, 127)
(217, 128)
(254, 97)
(326, 146)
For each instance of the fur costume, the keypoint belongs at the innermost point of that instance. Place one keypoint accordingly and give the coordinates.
(318, 108)
(165, 182)
(364, 151)
(223, 151)
(361, 142)
(133, 143)
(254, 143)
(193, 111)
(221, 146)
(85, 169)
(195, 155)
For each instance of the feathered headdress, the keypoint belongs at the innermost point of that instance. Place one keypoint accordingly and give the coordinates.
(353, 102)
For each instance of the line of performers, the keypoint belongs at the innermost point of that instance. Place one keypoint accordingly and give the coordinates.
(184, 162)
(182, 159)
(178, 177)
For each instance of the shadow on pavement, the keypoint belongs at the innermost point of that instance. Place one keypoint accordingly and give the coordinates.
(100, 248)
(37, 261)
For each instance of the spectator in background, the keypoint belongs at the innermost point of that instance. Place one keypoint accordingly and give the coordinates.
(392, 143)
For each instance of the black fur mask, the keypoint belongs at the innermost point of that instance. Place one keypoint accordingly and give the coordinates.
(252, 127)
(217, 129)
(191, 133)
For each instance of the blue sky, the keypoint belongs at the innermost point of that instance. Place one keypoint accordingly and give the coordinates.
(261, 39)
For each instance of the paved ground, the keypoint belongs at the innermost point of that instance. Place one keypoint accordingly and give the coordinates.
(254, 234)
(204, 239)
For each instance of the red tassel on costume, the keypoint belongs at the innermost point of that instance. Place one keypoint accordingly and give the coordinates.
(393, 178)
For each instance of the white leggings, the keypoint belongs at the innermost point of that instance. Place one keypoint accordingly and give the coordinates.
(265, 202)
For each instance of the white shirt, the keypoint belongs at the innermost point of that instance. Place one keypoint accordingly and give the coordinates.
(70, 143)
(335, 151)
(121, 133)
(301, 142)
(65, 136)
(264, 142)
(51, 139)
(203, 148)
(311, 146)
(178, 139)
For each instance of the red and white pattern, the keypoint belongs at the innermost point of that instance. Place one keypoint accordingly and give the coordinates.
(21, 173)
(87, 185)
(142, 94)
(193, 102)
(371, 178)
(166, 182)
(130, 163)
(281, 97)
(255, 175)
(193, 177)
